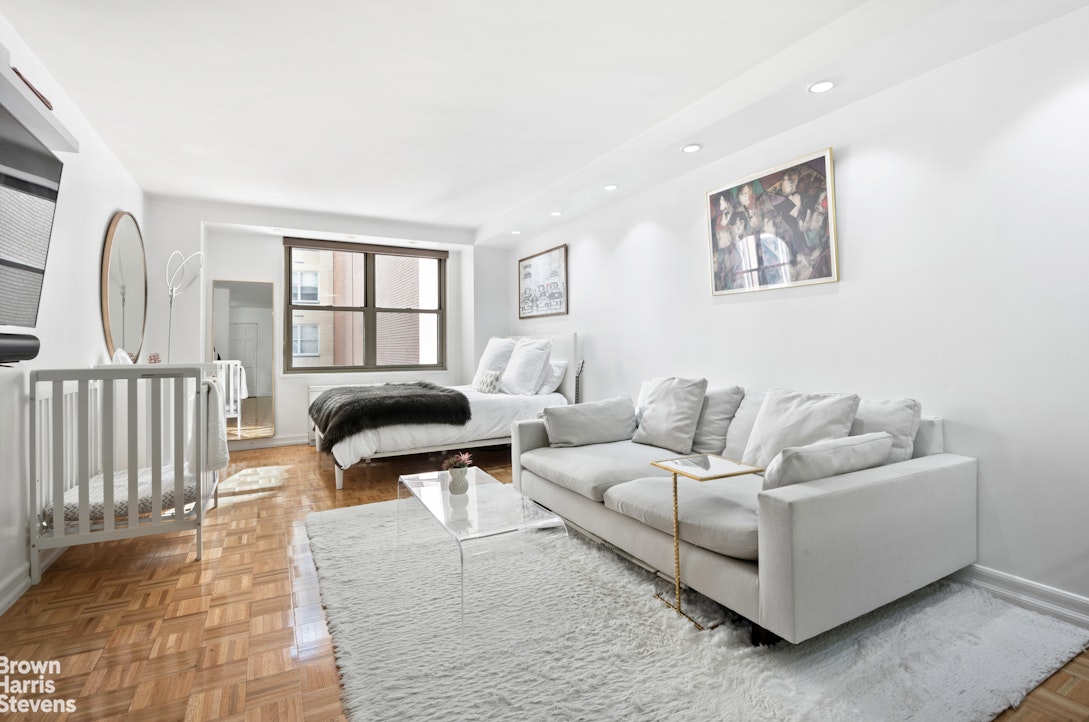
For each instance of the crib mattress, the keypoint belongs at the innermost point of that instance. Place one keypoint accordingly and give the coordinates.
(95, 493)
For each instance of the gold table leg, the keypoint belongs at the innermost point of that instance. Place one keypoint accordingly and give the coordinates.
(676, 606)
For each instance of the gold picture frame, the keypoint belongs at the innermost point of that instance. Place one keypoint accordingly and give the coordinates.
(776, 229)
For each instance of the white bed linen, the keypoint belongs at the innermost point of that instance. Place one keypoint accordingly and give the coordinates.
(493, 415)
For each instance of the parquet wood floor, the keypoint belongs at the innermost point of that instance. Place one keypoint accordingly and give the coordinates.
(144, 632)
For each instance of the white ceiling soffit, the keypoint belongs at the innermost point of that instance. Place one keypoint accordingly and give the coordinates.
(479, 114)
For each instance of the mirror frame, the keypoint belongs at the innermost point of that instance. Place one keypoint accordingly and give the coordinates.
(107, 251)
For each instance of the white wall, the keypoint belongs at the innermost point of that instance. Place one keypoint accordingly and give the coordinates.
(963, 255)
(94, 185)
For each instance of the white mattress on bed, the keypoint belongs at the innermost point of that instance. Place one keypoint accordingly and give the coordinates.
(493, 415)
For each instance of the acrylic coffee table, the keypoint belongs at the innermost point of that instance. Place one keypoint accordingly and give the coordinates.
(488, 509)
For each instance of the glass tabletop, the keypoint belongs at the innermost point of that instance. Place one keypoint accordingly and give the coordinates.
(487, 508)
(705, 467)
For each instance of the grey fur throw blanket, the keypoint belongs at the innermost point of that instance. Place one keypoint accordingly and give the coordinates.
(338, 413)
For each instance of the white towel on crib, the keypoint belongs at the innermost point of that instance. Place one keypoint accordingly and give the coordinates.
(243, 389)
(216, 428)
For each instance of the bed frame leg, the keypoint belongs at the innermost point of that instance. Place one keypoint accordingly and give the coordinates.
(340, 476)
(200, 543)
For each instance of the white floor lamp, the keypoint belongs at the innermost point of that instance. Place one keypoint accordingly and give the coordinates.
(176, 282)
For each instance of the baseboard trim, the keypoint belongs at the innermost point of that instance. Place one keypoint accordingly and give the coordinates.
(268, 443)
(14, 586)
(18, 582)
(1028, 594)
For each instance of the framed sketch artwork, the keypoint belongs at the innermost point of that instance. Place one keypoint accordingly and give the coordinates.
(542, 283)
(776, 229)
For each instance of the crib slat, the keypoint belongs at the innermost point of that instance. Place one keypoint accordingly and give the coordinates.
(83, 454)
(58, 458)
(179, 447)
(156, 449)
(106, 397)
(134, 450)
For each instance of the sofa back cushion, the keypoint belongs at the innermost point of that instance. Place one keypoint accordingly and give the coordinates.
(931, 437)
(737, 435)
(594, 422)
(899, 417)
(796, 464)
(719, 407)
(669, 409)
(792, 418)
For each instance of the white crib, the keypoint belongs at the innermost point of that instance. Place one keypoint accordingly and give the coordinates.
(232, 379)
(90, 428)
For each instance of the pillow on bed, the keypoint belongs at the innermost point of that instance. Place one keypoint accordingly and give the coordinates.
(495, 357)
(527, 366)
(489, 383)
(553, 377)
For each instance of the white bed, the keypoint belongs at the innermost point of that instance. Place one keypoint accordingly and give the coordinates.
(492, 417)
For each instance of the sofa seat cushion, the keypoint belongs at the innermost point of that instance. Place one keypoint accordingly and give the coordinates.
(590, 470)
(718, 515)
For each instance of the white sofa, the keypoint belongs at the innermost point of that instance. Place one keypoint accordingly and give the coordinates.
(796, 560)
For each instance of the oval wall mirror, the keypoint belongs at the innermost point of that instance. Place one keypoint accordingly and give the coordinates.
(124, 286)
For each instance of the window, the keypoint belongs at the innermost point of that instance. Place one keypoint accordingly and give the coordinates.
(305, 339)
(304, 287)
(364, 307)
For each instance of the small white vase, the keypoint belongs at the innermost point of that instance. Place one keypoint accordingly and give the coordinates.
(458, 483)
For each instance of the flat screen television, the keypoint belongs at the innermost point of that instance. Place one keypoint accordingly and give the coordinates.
(29, 181)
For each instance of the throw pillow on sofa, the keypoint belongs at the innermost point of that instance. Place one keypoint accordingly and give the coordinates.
(792, 418)
(527, 367)
(495, 357)
(669, 410)
(796, 464)
(594, 422)
(719, 408)
(899, 417)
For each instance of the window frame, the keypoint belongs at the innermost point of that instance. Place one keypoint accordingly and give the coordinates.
(369, 310)
(300, 354)
(297, 298)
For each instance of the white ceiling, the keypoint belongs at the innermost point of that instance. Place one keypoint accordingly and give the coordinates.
(478, 114)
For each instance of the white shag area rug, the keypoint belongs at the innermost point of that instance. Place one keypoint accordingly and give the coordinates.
(558, 628)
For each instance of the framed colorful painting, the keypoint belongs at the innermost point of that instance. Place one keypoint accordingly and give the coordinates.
(542, 283)
(776, 229)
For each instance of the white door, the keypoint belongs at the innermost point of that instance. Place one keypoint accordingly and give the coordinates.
(243, 347)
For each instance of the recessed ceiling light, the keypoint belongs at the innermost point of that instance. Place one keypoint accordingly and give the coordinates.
(821, 86)
(556, 213)
(691, 148)
(516, 233)
(611, 187)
